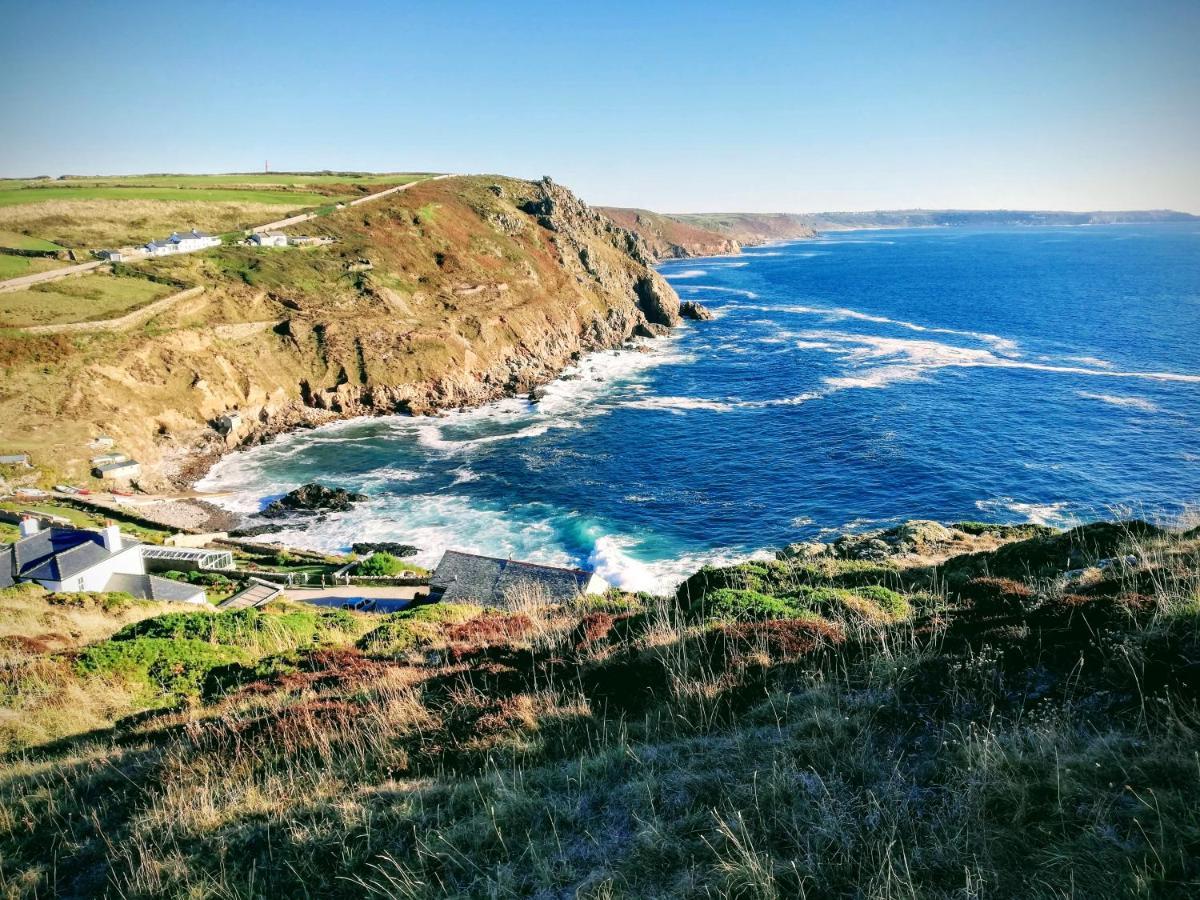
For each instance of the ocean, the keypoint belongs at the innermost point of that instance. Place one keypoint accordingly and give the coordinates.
(1045, 375)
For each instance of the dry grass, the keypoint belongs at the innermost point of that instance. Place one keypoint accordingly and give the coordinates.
(112, 223)
(87, 298)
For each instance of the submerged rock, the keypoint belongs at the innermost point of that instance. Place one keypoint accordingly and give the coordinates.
(697, 312)
(310, 498)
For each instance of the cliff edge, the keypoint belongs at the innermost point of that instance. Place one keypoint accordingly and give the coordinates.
(452, 293)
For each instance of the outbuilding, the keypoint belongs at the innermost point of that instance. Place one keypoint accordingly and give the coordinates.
(491, 581)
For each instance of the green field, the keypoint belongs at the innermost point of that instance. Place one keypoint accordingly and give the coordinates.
(85, 299)
(19, 241)
(281, 179)
(16, 266)
(18, 196)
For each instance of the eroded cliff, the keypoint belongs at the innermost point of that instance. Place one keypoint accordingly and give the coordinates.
(452, 293)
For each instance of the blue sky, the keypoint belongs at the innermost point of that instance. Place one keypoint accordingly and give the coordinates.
(676, 107)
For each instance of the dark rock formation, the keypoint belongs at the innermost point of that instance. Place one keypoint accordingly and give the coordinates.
(658, 303)
(395, 549)
(697, 312)
(311, 498)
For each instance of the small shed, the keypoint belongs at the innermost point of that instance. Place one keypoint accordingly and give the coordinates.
(14, 459)
(127, 468)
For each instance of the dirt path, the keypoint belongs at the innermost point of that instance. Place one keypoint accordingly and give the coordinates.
(134, 318)
(306, 217)
(24, 281)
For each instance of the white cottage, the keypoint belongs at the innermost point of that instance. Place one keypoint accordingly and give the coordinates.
(269, 239)
(74, 559)
(182, 242)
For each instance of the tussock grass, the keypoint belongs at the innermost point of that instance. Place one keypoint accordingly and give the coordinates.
(1031, 738)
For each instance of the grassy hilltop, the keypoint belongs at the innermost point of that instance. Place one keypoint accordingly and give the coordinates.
(107, 211)
(449, 293)
(943, 720)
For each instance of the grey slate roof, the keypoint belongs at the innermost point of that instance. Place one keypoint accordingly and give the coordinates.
(54, 554)
(465, 577)
(6, 567)
(150, 587)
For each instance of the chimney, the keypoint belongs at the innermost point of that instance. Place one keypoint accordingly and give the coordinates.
(111, 536)
(29, 526)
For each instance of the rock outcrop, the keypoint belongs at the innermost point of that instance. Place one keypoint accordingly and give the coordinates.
(312, 498)
(697, 312)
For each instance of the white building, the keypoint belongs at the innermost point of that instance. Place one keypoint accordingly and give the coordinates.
(74, 559)
(182, 242)
(269, 239)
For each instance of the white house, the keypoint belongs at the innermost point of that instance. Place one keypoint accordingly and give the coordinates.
(182, 242)
(269, 239)
(74, 559)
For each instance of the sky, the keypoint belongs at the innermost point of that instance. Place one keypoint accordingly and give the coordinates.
(677, 107)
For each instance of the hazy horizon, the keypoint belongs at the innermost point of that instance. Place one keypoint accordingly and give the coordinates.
(798, 108)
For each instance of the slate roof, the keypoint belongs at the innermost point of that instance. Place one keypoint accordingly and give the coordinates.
(464, 577)
(54, 554)
(6, 567)
(150, 587)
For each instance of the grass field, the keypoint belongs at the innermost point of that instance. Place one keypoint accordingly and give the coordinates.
(283, 179)
(19, 241)
(85, 299)
(15, 266)
(14, 197)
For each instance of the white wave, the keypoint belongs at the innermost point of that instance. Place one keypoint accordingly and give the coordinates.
(388, 474)
(431, 436)
(835, 313)
(883, 360)
(612, 560)
(850, 241)
(1138, 403)
(679, 404)
(1054, 514)
(686, 273)
(750, 295)
(1089, 361)
(463, 475)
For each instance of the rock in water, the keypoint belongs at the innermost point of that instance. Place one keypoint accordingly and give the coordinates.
(398, 550)
(697, 312)
(310, 498)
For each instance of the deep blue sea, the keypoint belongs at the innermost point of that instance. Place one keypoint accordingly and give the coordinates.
(863, 378)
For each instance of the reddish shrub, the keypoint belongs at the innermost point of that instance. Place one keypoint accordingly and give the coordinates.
(483, 631)
(596, 627)
(780, 639)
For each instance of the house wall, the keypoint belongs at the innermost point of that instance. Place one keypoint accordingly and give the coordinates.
(127, 562)
(596, 585)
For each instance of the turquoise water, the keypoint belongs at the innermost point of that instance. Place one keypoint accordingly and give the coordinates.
(1043, 374)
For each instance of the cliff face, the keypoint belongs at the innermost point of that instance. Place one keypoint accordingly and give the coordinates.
(752, 228)
(670, 238)
(450, 294)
